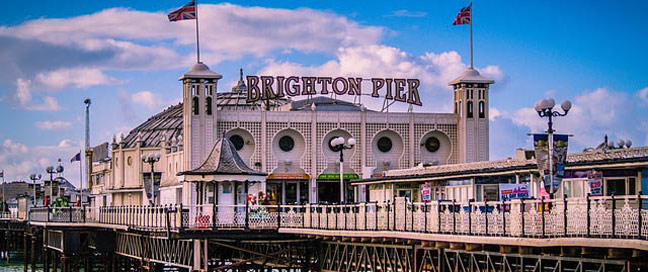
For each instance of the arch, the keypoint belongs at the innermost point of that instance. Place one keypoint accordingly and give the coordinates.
(443, 154)
(482, 109)
(208, 105)
(297, 151)
(394, 154)
(247, 151)
(194, 105)
(331, 155)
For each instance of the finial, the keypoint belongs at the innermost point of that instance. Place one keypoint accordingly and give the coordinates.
(241, 74)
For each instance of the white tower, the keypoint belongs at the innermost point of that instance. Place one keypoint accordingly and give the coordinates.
(471, 106)
(199, 113)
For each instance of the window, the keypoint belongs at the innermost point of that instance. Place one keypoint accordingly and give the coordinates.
(286, 143)
(384, 144)
(469, 108)
(237, 141)
(194, 105)
(432, 144)
(208, 105)
(482, 111)
(615, 187)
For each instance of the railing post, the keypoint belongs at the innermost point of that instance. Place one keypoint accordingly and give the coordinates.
(425, 212)
(49, 211)
(613, 217)
(181, 220)
(639, 213)
(587, 199)
(376, 216)
(522, 209)
(542, 209)
(405, 214)
(278, 217)
(503, 217)
(439, 215)
(565, 213)
(470, 216)
(454, 217)
(214, 213)
(70, 210)
(412, 221)
(387, 207)
(486, 217)
(364, 206)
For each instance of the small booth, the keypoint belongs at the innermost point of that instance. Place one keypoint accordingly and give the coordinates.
(217, 191)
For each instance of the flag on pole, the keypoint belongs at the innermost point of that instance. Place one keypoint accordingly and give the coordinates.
(464, 16)
(2, 174)
(76, 157)
(186, 12)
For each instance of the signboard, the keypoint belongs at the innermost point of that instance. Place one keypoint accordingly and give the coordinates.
(290, 176)
(271, 87)
(336, 176)
(509, 191)
(595, 182)
(559, 157)
(426, 192)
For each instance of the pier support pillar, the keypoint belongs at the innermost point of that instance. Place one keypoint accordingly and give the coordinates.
(25, 250)
(200, 255)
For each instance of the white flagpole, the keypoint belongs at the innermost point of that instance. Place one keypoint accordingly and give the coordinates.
(471, 38)
(81, 178)
(197, 36)
(4, 188)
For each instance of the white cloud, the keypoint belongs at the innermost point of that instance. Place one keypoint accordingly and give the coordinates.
(49, 104)
(74, 77)
(24, 97)
(146, 98)
(434, 71)
(53, 125)
(19, 160)
(493, 114)
(407, 13)
(643, 95)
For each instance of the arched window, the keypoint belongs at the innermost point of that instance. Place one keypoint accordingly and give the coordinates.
(455, 108)
(460, 109)
(469, 109)
(208, 105)
(482, 110)
(194, 105)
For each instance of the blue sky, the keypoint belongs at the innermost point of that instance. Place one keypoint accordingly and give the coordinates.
(127, 57)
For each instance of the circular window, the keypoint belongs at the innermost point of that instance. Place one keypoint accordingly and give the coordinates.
(384, 144)
(129, 161)
(237, 141)
(286, 143)
(432, 144)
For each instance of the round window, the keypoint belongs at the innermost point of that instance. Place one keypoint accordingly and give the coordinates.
(384, 144)
(129, 161)
(286, 143)
(237, 141)
(432, 144)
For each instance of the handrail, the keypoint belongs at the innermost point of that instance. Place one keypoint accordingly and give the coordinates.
(623, 217)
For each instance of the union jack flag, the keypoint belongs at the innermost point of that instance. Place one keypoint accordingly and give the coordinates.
(464, 16)
(186, 12)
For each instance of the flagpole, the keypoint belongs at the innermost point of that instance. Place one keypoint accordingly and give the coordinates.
(4, 188)
(471, 19)
(81, 179)
(197, 36)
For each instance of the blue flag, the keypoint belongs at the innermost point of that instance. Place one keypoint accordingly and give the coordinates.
(76, 157)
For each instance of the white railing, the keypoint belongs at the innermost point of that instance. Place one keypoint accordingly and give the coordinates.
(609, 217)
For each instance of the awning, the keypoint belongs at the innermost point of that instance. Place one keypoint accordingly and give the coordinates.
(288, 176)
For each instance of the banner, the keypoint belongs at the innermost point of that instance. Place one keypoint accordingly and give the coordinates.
(508, 191)
(541, 146)
(426, 192)
(595, 182)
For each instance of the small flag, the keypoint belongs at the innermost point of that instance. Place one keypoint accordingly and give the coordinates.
(2, 174)
(186, 12)
(76, 157)
(464, 16)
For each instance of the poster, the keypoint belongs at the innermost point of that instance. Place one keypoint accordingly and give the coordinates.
(426, 192)
(595, 181)
(559, 157)
(508, 191)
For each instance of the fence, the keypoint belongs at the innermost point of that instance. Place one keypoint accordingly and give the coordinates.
(610, 217)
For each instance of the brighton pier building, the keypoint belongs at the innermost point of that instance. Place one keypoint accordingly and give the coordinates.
(282, 146)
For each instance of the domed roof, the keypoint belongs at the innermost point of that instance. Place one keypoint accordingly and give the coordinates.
(471, 76)
(200, 70)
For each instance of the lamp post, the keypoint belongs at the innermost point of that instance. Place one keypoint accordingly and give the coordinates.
(34, 178)
(152, 159)
(544, 108)
(339, 144)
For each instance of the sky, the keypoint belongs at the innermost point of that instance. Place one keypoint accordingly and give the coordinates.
(126, 57)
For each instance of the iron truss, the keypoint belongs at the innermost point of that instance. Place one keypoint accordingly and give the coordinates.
(342, 256)
(146, 248)
(244, 255)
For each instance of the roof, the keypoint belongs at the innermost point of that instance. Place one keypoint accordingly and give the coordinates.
(597, 157)
(200, 70)
(471, 76)
(324, 103)
(167, 123)
(223, 159)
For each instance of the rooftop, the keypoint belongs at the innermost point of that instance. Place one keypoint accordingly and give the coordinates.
(223, 159)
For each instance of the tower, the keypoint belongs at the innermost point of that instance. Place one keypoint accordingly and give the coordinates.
(199, 112)
(471, 106)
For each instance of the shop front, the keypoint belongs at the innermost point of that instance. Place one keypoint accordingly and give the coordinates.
(287, 188)
(328, 187)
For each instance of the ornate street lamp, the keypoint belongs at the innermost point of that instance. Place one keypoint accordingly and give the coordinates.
(339, 144)
(152, 159)
(34, 178)
(544, 108)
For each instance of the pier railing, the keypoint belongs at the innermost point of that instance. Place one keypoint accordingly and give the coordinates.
(623, 217)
